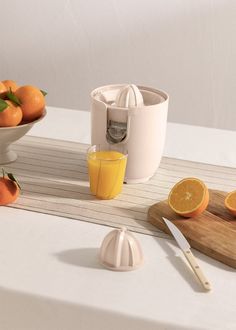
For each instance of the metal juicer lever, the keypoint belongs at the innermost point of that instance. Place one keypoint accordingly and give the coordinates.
(116, 131)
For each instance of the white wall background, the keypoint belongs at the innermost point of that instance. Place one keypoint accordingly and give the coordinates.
(69, 47)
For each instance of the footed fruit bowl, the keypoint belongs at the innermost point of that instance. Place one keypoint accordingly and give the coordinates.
(8, 135)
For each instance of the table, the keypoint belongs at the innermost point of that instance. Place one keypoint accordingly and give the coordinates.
(50, 277)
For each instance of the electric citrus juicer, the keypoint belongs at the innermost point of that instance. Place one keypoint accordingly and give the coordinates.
(132, 118)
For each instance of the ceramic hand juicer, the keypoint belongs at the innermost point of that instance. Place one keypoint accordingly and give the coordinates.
(121, 251)
(132, 118)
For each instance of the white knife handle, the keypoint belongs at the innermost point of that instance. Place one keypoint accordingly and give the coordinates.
(197, 270)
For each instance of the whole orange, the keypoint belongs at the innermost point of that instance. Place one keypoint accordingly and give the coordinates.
(9, 191)
(3, 90)
(10, 84)
(32, 102)
(11, 116)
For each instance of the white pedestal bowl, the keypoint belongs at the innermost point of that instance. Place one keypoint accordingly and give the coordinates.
(8, 135)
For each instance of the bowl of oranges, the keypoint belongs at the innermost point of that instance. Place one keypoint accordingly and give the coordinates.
(20, 108)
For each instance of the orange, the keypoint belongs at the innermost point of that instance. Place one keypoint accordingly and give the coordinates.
(11, 116)
(3, 90)
(9, 189)
(32, 102)
(230, 202)
(10, 84)
(189, 197)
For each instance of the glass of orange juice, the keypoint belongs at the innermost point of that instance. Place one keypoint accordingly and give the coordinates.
(106, 168)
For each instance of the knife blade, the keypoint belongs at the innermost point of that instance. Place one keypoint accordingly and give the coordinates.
(186, 249)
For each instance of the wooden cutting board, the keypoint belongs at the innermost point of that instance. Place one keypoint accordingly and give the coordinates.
(212, 233)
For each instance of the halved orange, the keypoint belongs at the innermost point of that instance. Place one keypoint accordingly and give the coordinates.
(189, 197)
(230, 202)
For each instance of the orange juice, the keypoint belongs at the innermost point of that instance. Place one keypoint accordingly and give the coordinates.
(106, 173)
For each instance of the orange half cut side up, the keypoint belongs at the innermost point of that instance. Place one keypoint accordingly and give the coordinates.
(230, 202)
(189, 197)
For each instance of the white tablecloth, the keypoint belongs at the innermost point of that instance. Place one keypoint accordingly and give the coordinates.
(50, 277)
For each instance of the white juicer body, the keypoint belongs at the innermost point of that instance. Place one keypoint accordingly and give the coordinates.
(145, 128)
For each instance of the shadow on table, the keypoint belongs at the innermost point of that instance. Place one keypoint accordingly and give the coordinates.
(83, 257)
(45, 162)
(180, 265)
(23, 311)
(41, 188)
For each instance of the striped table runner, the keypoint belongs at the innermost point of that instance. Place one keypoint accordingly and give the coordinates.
(54, 179)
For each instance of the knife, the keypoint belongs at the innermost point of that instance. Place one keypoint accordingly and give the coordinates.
(186, 249)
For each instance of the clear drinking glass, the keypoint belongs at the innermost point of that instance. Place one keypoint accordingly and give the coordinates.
(106, 168)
